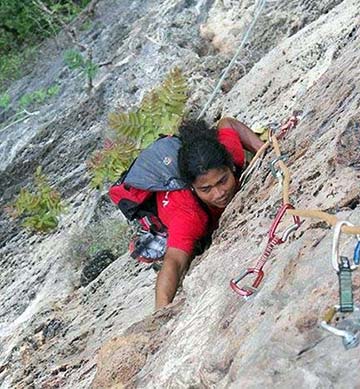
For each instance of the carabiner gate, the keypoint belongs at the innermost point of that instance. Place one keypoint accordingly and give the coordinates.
(335, 247)
(273, 240)
(247, 290)
(289, 230)
(275, 172)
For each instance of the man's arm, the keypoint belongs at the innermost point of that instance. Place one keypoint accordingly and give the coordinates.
(175, 264)
(249, 140)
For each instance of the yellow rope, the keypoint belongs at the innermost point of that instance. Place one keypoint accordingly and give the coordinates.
(313, 213)
(330, 219)
(284, 169)
(259, 153)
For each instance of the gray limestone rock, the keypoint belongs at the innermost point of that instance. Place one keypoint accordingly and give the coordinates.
(301, 55)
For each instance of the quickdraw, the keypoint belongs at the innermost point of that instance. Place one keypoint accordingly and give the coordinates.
(348, 329)
(273, 240)
(343, 268)
(335, 246)
(256, 161)
(345, 286)
(277, 173)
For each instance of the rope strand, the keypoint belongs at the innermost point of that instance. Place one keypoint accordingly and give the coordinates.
(312, 213)
(245, 38)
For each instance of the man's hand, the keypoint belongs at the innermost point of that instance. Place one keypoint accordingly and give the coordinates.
(249, 140)
(175, 264)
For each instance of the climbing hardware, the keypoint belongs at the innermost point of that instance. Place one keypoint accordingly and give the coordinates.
(273, 240)
(347, 329)
(343, 268)
(279, 170)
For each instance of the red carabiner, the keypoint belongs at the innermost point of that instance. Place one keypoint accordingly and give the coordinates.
(276, 222)
(273, 240)
(247, 290)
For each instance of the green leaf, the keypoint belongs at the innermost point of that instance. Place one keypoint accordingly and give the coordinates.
(39, 207)
(160, 112)
(4, 100)
(74, 59)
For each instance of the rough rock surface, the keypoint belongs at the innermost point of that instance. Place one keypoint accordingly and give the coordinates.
(53, 333)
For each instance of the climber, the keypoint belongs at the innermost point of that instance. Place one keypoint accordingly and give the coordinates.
(210, 162)
(193, 178)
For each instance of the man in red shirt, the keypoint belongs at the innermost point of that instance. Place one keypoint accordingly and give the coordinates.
(208, 162)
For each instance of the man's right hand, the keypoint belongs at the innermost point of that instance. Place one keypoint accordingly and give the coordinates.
(175, 264)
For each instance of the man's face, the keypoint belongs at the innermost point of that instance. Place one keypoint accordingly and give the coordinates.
(216, 188)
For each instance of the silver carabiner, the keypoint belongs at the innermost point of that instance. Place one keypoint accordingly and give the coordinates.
(350, 339)
(288, 231)
(335, 260)
(275, 172)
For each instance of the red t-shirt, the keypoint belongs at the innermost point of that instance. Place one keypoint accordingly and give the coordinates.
(180, 211)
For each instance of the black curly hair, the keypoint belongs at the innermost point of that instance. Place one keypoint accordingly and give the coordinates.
(200, 150)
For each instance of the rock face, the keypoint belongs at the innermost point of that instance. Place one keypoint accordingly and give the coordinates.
(96, 265)
(54, 333)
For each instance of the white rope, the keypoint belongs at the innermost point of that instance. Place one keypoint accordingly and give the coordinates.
(245, 38)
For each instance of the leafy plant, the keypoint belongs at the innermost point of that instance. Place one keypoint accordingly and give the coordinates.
(53, 90)
(25, 22)
(38, 209)
(160, 112)
(14, 64)
(90, 69)
(23, 26)
(4, 100)
(108, 164)
(86, 26)
(68, 9)
(75, 60)
(38, 96)
(10, 69)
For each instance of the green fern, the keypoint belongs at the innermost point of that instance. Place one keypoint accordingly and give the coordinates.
(39, 209)
(108, 164)
(160, 112)
(128, 124)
